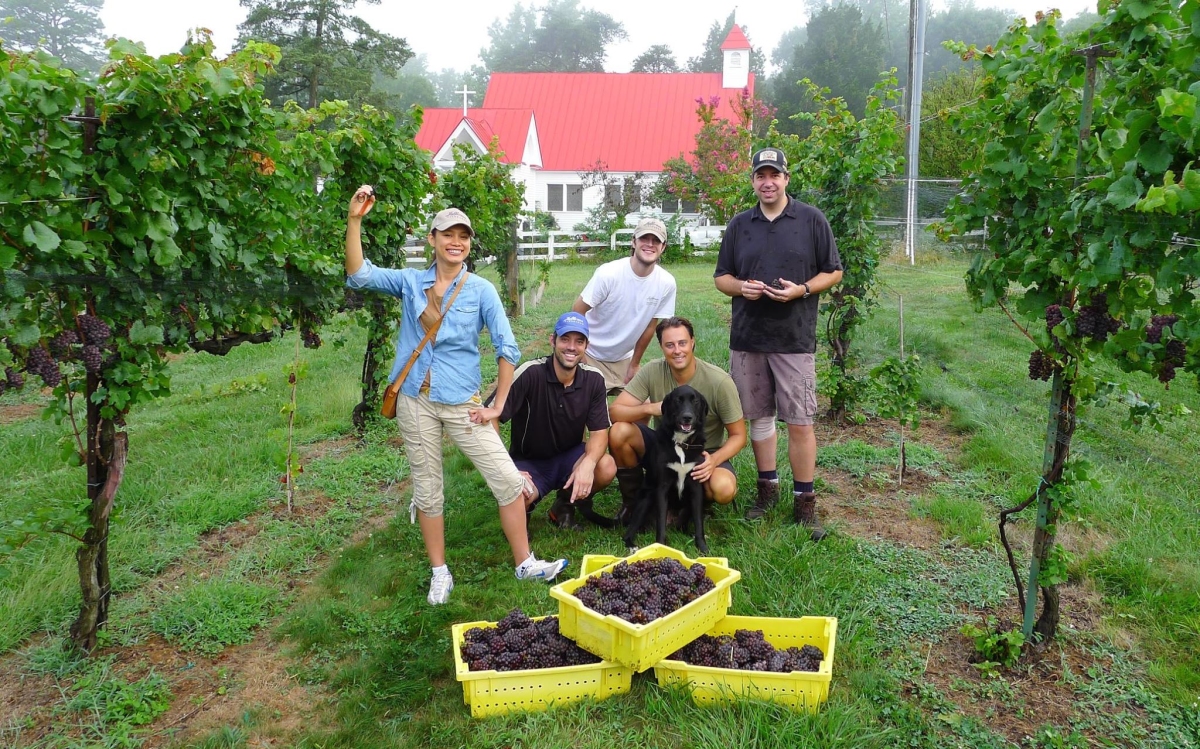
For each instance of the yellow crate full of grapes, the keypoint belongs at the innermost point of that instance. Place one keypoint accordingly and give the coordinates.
(800, 690)
(493, 692)
(640, 646)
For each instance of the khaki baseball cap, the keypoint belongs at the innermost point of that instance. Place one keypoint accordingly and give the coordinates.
(651, 226)
(450, 217)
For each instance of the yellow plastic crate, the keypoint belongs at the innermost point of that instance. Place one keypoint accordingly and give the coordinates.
(531, 690)
(800, 690)
(640, 646)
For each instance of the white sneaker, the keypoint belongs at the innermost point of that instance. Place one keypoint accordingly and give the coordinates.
(439, 588)
(535, 569)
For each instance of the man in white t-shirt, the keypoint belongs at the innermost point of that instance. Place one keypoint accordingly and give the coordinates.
(623, 302)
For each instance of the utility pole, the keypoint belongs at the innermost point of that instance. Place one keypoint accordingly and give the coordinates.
(916, 72)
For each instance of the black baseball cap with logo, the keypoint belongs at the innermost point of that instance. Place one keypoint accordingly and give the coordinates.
(771, 157)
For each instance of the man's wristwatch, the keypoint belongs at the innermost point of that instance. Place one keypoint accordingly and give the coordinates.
(807, 291)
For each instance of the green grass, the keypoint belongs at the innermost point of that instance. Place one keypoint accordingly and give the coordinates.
(210, 455)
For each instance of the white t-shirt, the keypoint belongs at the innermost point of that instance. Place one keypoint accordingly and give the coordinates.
(622, 305)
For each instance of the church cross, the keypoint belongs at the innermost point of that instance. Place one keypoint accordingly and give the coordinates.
(465, 93)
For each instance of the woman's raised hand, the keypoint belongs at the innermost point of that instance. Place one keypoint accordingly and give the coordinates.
(362, 202)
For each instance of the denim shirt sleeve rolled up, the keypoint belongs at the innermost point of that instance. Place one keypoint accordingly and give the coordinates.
(454, 354)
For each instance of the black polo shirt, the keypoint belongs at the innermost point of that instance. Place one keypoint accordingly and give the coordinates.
(549, 419)
(797, 245)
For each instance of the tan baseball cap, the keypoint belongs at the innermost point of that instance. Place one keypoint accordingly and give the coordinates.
(651, 226)
(450, 217)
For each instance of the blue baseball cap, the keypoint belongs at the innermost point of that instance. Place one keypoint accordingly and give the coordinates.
(571, 322)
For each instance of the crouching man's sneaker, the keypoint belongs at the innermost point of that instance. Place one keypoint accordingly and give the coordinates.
(535, 569)
(439, 588)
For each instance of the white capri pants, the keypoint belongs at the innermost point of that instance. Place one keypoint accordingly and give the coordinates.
(421, 422)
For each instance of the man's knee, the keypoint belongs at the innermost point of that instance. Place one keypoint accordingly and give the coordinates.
(721, 487)
(606, 471)
(801, 432)
(625, 443)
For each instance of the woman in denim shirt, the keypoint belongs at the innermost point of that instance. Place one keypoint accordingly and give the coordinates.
(441, 391)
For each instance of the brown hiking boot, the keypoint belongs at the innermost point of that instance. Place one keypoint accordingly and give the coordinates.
(768, 495)
(804, 512)
(629, 482)
(562, 512)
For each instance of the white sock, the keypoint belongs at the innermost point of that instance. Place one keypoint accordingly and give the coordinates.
(528, 562)
(442, 570)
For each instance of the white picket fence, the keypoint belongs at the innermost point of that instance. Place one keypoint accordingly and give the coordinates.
(559, 245)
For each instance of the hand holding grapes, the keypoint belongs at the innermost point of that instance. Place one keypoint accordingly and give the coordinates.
(362, 202)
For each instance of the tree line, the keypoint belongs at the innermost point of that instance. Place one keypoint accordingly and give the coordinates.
(329, 53)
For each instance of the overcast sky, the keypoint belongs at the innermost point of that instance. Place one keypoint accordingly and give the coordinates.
(450, 34)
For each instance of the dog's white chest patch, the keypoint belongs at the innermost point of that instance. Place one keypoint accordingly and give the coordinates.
(681, 469)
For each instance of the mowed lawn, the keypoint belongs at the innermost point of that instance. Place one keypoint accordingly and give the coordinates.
(213, 573)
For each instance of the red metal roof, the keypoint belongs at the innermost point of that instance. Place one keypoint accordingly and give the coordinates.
(736, 39)
(631, 121)
(512, 125)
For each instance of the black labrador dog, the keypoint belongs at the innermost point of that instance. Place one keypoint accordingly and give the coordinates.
(675, 449)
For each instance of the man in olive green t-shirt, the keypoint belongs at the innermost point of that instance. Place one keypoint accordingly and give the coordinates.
(642, 400)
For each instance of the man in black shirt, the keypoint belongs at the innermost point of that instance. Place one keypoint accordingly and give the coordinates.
(775, 259)
(551, 402)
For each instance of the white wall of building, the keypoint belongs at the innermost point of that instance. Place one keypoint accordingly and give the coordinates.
(536, 196)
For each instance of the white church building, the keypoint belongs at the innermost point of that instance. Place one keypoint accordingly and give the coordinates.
(555, 127)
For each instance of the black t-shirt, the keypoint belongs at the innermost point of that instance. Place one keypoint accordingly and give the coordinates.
(547, 418)
(797, 245)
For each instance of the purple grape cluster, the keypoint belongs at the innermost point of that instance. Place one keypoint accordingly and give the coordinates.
(1054, 316)
(354, 300)
(93, 359)
(39, 362)
(518, 642)
(62, 346)
(640, 592)
(1041, 366)
(7, 382)
(311, 338)
(748, 650)
(1093, 320)
(1154, 330)
(1176, 355)
(95, 330)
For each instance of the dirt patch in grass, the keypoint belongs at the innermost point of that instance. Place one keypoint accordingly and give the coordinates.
(23, 695)
(211, 693)
(1038, 691)
(19, 412)
(208, 693)
(879, 506)
(865, 512)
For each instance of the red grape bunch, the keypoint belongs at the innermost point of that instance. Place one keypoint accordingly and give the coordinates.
(95, 331)
(1176, 356)
(39, 362)
(1041, 366)
(62, 346)
(518, 642)
(1154, 330)
(13, 380)
(640, 592)
(748, 650)
(1093, 320)
(1054, 316)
